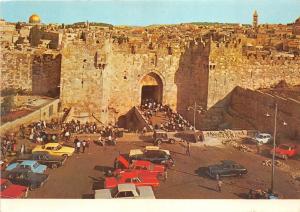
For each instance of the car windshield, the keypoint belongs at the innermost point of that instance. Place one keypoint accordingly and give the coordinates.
(35, 165)
(114, 191)
(260, 136)
(285, 147)
(58, 147)
(5, 185)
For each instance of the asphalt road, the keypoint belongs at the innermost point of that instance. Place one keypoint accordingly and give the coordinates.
(84, 172)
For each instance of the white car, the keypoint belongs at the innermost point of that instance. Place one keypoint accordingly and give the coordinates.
(263, 138)
(126, 191)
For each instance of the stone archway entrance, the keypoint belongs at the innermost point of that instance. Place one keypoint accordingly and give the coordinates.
(151, 87)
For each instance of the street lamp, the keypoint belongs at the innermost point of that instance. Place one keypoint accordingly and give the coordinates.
(274, 144)
(195, 108)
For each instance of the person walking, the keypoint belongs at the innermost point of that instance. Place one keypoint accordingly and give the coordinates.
(78, 145)
(219, 184)
(188, 148)
(258, 144)
(83, 146)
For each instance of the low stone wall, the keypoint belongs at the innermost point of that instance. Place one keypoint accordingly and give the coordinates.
(46, 112)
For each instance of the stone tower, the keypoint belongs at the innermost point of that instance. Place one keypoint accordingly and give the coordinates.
(255, 20)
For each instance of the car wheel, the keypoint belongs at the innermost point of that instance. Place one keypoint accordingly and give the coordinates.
(65, 155)
(172, 141)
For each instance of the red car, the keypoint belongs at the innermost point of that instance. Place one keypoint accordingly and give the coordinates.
(142, 167)
(9, 190)
(285, 151)
(131, 177)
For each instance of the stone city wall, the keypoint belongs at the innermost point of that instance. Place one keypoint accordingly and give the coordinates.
(16, 69)
(46, 75)
(106, 78)
(230, 69)
(254, 105)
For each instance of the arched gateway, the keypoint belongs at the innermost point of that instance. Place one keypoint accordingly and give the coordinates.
(151, 87)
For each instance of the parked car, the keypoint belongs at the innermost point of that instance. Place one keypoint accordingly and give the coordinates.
(25, 177)
(126, 191)
(55, 149)
(141, 166)
(153, 154)
(160, 136)
(131, 177)
(30, 165)
(263, 138)
(226, 168)
(9, 190)
(44, 158)
(285, 151)
(191, 136)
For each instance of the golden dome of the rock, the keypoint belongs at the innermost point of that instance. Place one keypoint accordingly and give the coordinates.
(34, 19)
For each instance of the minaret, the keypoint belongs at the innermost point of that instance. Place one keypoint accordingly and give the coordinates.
(255, 20)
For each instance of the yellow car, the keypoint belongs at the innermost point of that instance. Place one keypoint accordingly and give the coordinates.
(54, 149)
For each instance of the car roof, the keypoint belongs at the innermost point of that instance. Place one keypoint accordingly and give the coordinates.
(52, 144)
(126, 186)
(264, 134)
(151, 148)
(28, 162)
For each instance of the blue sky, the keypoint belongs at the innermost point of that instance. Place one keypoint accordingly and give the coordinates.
(146, 12)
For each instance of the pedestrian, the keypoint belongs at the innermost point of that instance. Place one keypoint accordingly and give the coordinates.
(22, 149)
(88, 142)
(83, 146)
(258, 144)
(219, 185)
(78, 145)
(188, 149)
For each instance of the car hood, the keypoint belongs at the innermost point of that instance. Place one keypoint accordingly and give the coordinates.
(13, 191)
(146, 192)
(103, 194)
(11, 166)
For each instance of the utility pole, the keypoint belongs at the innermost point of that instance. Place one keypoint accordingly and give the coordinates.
(274, 146)
(195, 108)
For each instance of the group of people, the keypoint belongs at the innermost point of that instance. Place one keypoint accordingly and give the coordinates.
(38, 133)
(175, 122)
(79, 128)
(80, 146)
(8, 144)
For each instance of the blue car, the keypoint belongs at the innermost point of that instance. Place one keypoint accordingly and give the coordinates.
(30, 165)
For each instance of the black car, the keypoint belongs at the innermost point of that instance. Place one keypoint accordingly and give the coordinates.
(25, 177)
(155, 156)
(226, 168)
(160, 136)
(44, 158)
